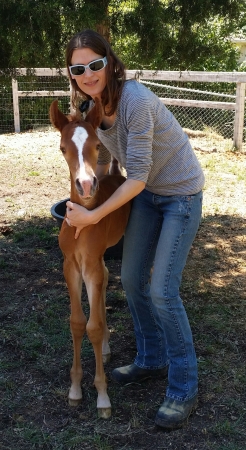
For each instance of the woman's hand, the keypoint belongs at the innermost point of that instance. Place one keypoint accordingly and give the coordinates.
(79, 217)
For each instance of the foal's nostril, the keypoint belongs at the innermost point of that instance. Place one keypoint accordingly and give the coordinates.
(95, 182)
(79, 187)
(77, 183)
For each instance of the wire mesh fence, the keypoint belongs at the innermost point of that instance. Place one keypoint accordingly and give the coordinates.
(6, 106)
(203, 119)
(34, 110)
(214, 122)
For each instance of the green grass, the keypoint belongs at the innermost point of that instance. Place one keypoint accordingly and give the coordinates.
(33, 173)
(33, 232)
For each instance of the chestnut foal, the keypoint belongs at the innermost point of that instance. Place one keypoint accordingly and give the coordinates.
(83, 257)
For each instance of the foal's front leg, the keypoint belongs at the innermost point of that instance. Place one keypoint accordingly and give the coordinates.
(106, 354)
(77, 325)
(97, 331)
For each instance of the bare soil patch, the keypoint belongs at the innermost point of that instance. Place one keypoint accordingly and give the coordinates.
(35, 338)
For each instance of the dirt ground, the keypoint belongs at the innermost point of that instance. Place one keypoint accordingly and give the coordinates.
(35, 339)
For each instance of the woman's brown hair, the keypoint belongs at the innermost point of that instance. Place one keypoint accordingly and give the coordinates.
(115, 69)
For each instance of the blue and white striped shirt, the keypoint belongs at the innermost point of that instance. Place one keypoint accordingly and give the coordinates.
(150, 144)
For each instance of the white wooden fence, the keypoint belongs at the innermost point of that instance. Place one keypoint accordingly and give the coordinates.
(146, 75)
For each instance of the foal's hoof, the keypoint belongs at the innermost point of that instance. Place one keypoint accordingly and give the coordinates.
(106, 358)
(73, 402)
(74, 395)
(104, 413)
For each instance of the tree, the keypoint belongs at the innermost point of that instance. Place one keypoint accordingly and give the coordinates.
(156, 34)
(181, 34)
(35, 34)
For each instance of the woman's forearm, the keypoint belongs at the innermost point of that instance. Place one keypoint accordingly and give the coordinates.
(80, 217)
(128, 190)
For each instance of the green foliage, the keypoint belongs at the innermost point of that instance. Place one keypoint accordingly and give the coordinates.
(155, 34)
(34, 34)
(170, 35)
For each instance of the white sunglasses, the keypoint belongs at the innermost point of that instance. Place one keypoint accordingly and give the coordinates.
(94, 66)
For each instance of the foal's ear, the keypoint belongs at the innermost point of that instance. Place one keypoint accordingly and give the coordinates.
(57, 118)
(94, 116)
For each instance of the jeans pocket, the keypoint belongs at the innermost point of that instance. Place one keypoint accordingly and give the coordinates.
(188, 203)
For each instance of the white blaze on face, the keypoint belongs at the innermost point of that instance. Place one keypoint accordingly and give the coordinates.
(79, 137)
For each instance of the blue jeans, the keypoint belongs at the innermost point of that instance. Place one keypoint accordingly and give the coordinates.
(160, 232)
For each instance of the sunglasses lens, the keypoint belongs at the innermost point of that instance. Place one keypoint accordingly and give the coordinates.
(96, 65)
(77, 70)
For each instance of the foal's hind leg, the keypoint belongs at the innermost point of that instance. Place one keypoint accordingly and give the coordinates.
(77, 325)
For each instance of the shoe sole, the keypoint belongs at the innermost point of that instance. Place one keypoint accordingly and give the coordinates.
(160, 423)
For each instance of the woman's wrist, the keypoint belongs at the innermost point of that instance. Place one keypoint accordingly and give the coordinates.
(96, 215)
(122, 195)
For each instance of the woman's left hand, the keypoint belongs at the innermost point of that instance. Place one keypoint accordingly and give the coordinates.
(78, 216)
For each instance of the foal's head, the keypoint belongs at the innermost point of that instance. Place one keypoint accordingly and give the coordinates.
(79, 145)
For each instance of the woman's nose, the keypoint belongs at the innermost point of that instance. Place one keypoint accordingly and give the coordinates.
(88, 72)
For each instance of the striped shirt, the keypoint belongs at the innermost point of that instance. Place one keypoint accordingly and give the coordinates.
(150, 144)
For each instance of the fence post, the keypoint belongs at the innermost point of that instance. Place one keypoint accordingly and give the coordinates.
(16, 105)
(239, 116)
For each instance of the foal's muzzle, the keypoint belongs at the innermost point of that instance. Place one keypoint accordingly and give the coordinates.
(87, 188)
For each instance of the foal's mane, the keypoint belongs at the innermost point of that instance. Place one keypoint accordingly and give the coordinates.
(94, 116)
(76, 117)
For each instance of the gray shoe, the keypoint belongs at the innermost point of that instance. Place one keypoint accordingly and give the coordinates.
(173, 413)
(135, 374)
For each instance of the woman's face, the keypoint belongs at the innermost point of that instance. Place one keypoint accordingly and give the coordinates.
(91, 83)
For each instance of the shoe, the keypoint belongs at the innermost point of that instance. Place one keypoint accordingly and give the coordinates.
(135, 374)
(173, 413)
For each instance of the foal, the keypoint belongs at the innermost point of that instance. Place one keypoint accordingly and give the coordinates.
(83, 257)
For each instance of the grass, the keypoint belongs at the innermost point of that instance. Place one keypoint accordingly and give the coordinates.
(40, 235)
(36, 346)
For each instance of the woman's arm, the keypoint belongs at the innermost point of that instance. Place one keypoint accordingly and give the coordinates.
(80, 217)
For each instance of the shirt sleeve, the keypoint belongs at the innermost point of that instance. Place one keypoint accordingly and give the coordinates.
(140, 118)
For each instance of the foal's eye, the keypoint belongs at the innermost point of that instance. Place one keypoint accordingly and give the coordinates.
(63, 150)
(98, 147)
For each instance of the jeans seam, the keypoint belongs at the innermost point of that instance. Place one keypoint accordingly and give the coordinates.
(147, 257)
(188, 212)
(181, 339)
(144, 290)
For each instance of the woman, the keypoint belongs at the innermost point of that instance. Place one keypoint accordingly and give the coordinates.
(164, 181)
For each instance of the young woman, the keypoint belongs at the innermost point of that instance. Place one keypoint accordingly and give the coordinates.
(165, 181)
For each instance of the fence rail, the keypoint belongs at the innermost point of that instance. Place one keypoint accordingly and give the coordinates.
(233, 102)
